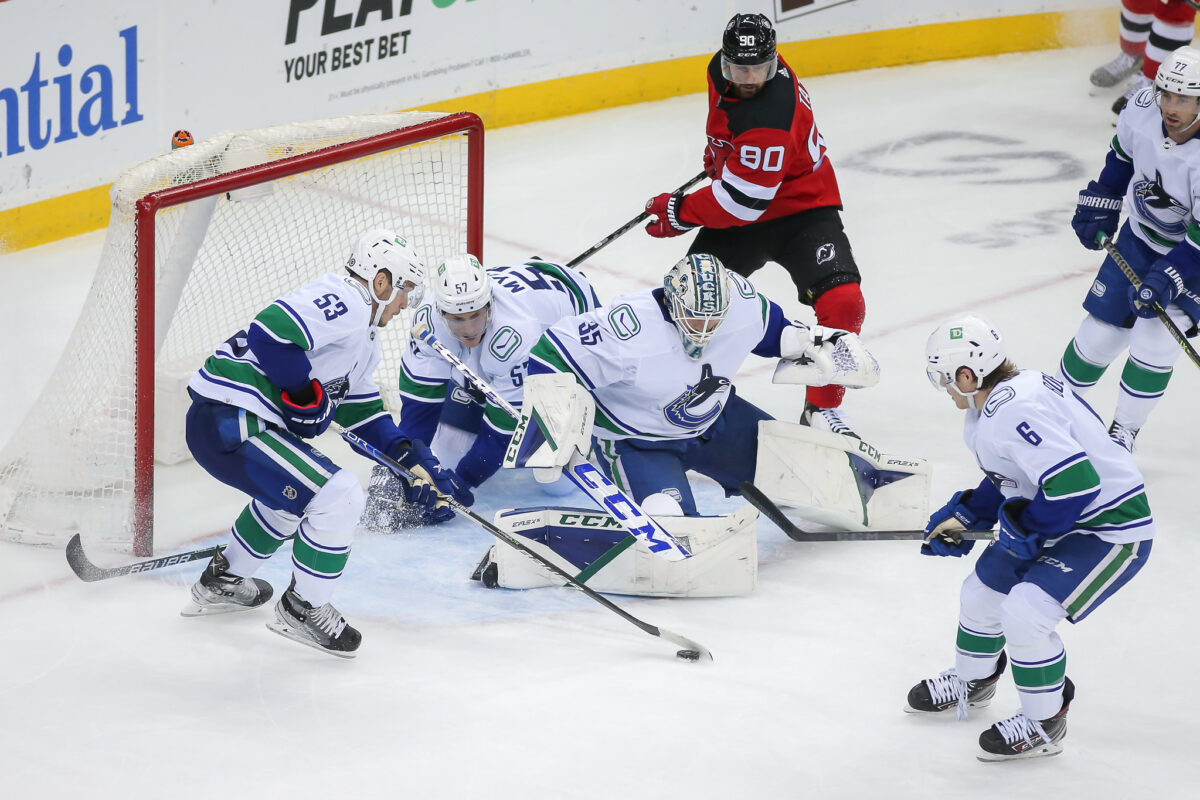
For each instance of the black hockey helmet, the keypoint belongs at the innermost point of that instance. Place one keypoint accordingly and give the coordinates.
(749, 41)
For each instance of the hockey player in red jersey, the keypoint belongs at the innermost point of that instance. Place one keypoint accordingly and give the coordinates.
(774, 195)
(1150, 31)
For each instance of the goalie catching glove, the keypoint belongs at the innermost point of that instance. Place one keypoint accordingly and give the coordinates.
(819, 356)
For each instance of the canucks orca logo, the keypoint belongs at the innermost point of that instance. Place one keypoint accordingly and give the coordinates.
(337, 389)
(679, 411)
(1164, 212)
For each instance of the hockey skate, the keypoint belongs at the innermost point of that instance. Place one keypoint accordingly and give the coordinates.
(1115, 71)
(826, 419)
(947, 691)
(1122, 435)
(1139, 83)
(218, 592)
(1020, 737)
(487, 571)
(323, 627)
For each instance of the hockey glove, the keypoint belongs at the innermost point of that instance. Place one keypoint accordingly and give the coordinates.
(386, 510)
(430, 478)
(308, 412)
(942, 531)
(1098, 211)
(665, 209)
(1160, 287)
(1020, 543)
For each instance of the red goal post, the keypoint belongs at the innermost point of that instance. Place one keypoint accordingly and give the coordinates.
(200, 240)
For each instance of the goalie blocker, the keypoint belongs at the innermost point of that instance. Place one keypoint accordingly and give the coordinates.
(603, 555)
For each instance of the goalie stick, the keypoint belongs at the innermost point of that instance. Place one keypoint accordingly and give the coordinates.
(1107, 243)
(624, 229)
(774, 513)
(591, 481)
(87, 571)
(372, 452)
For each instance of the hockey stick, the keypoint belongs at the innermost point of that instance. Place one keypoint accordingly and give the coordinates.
(591, 481)
(624, 229)
(1159, 311)
(774, 513)
(372, 452)
(87, 571)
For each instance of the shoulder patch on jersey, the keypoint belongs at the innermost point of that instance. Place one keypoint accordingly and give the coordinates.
(359, 288)
(997, 398)
(773, 107)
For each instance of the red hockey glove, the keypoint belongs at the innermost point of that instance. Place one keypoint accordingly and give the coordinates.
(665, 209)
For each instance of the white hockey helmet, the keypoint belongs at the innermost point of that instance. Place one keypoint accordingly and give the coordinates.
(379, 250)
(964, 341)
(1179, 74)
(461, 287)
(697, 293)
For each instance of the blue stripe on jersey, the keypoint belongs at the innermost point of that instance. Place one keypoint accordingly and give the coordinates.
(1060, 466)
(297, 319)
(578, 370)
(241, 387)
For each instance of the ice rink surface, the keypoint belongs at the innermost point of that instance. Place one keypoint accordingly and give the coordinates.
(959, 180)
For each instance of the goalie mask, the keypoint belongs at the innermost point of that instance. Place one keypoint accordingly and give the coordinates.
(697, 294)
(380, 250)
(966, 341)
(463, 294)
(748, 50)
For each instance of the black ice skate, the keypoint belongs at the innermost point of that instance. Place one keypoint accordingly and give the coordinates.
(1020, 737)
(947, 691)
(218, 592)
(826, 419)
(323, 627)
(487, 571)
(1123, 435)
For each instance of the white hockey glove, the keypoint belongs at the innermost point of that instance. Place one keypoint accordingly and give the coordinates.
(819, 356)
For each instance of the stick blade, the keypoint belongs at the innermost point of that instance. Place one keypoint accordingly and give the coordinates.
(79, 563)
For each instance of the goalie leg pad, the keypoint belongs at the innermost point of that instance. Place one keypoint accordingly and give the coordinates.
(598, 552)
(839, 480)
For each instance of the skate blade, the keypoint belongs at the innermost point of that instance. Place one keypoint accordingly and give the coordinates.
(1037, 752)
(288, 632)
(194, 609)
(910, 710)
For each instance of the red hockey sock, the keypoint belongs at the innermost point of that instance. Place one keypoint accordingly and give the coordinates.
(840, 307)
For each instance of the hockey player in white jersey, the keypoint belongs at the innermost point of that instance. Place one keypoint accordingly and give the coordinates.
(1074, 527)
(489, 319)
(1153, 169)
(659, 364)
(305, 361)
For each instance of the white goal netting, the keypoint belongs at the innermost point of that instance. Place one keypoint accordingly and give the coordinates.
(217, 261)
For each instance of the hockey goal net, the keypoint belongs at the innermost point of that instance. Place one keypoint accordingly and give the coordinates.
(199, 241)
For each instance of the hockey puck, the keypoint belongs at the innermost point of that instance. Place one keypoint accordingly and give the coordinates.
(688, 655)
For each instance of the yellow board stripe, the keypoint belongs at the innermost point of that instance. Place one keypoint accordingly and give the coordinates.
(87, 210)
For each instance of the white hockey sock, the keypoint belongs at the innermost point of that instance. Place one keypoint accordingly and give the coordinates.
(980, 634)
(322, 544)
(1039, 663)
(1094, 347)
(257, 534)
(1152, 356)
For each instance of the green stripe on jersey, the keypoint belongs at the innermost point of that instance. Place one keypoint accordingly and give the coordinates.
(350, 414)
(766, 309)
(419, 390)
(1082, 597)
(1116, 146)
(1132, 509)
(553, 271)
(546, 352)
(281, 323)
(1072, 480)
(1156, 237)
(244, 374)
(499, 418)
(299, 463)
(1193, 233)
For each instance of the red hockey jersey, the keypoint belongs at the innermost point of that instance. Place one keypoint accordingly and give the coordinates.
(770, 159)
